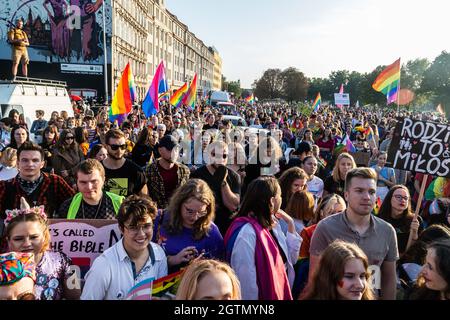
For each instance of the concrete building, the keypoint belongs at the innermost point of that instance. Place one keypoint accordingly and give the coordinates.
(217, 73)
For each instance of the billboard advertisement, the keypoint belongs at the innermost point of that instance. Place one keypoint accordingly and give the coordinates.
(66, 36)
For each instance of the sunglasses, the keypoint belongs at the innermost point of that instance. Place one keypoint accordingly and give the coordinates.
(117, 146)
(69, 138)
(224, 156)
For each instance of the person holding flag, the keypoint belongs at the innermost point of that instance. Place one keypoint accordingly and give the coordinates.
(159, 85)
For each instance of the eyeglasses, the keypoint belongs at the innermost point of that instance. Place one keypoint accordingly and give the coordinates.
(191, 212)
(117, 146)
(69, 138)
(400, 198)
(146, 228)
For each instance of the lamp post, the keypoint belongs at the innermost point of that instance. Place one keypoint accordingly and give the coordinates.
(105, 56)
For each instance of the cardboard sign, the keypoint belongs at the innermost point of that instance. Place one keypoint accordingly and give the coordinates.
(361, 158)
(83, 240)
(420, 147)
(342, 99)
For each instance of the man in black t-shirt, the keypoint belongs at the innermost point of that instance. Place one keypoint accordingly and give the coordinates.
(224, 182)
(123, 176)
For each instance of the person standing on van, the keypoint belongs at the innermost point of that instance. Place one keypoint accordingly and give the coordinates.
(19, 41)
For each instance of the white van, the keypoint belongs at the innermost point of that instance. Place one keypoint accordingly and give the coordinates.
(219, 96)
(27, 95)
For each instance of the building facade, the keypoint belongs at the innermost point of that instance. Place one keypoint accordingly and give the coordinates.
(217, 71)
(146, 33)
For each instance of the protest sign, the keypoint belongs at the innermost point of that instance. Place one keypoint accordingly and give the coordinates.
(361, 158)
(421, 147)
(83, 240)
(342, 99)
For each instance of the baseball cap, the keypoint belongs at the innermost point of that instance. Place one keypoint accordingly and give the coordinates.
(168, 141)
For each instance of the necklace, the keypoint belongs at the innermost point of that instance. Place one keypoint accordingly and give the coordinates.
(98, 209)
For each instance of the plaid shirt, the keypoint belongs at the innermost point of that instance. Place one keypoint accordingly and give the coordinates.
(51, 193)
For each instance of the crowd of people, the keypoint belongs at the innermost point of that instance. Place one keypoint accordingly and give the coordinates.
(270, 208)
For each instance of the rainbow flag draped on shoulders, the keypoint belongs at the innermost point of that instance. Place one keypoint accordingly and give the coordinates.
(191, 95)
(388, 81)
(317, 102)
(150, 105)
(177, 98)
(124, 97)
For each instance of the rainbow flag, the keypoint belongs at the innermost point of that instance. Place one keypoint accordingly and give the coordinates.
(167, 284)
(177, 97)
(191, 95)
(124, 96)
(250, 99)
(141, 291)
(150, 105)
(388, 81)
(317, 102)
(349, 146)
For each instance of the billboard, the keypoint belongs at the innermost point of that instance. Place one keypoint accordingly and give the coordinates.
(66, 36)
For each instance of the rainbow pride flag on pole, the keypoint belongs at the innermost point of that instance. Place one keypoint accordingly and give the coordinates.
(191, 95)
(250, 99)
(388, 81)
(177, 97)
(150, 105)
(317, 102)
(124, 96)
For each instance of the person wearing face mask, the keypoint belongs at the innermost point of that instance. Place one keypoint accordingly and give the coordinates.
(131, 260)
(166, 174)
(343, 274)
(27, 232)
(224, 182)
(209, 280)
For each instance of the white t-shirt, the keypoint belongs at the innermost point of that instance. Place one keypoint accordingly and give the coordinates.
(7, 173)
(315, 186)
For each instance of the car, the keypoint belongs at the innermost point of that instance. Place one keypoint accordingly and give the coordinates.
(235, 120)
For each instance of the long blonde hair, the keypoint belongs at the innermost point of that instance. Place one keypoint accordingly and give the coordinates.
(197, 270)
(336, 175)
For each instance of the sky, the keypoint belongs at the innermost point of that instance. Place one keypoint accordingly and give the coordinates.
(315, 36)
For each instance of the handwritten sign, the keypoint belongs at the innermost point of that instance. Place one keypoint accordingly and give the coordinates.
(421, 147)
(83, 240)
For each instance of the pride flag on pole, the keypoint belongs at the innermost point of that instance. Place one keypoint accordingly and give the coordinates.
(124, 96)
(349, 146)
(388, 81)
(150, 105)
(250, 99)
(177, 97)
(191, 95)
(317, 102)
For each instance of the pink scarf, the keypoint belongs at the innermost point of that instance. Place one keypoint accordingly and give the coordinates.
(271, 276)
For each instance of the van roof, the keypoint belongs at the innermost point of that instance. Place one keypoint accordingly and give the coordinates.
(36, 81)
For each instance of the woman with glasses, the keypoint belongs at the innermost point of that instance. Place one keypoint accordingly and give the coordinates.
(396, 209)
(186, 230)
(130, 261)
(67, 154)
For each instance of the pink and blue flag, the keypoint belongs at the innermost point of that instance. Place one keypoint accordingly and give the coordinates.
(141, 291)
(150, 105)
(349, 146)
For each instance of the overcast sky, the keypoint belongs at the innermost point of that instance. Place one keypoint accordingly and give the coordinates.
(316, 36)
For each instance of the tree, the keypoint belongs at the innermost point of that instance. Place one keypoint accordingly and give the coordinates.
(295, 85)
(270, 86)
(322, 85)
(436, 80)
(235, 88)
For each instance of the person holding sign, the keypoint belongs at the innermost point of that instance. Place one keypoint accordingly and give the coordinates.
(27, 231)
(91, 202)
(132, 260)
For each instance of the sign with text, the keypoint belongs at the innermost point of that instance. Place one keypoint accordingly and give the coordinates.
(83, 240)
(342, 98)
(421, 147)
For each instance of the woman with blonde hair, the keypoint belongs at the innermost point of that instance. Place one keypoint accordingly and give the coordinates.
(186, 230)
(343, 274)
(336, 182)
(209, 280)
(8, 161)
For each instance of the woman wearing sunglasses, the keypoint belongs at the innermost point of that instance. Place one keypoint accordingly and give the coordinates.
(186, 230)
(67, 154)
